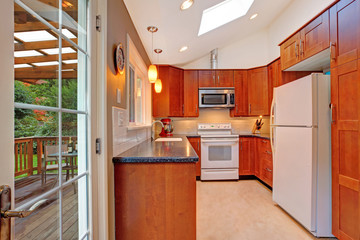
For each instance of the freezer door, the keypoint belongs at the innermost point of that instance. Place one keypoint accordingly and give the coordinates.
(294, 103)
(294, 179)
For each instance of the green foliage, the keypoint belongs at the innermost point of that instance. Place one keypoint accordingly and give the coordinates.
(43, 123)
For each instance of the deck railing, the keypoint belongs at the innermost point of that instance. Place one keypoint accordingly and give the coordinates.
(28, 147)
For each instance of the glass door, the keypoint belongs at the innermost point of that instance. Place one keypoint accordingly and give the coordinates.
(51, 118)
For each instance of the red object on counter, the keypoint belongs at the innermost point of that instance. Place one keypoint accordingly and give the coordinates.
(167, 129)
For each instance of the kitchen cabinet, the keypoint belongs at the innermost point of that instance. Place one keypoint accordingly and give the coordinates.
(191, 93)
(345, 141)
(216, 78)
(274, 78)
(196, 144)
(258, 91)
(345, 32)
(310, 40)
(155, 201)
(264, 161)
(170, 102)
(241, 94)
(246, 156)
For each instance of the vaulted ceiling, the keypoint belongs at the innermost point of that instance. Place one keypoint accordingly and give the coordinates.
(180, 28)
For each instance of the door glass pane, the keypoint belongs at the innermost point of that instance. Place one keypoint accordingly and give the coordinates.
(219, 153)
(36, 143)
(42, 224)
(75, 209)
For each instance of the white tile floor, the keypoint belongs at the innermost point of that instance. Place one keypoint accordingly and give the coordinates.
(242, 210)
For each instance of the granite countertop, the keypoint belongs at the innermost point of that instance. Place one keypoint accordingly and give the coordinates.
(159, 152)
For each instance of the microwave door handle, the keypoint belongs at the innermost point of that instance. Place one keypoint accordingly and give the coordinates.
(228, 99)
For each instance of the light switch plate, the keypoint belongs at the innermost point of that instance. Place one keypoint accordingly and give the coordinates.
(118, 95)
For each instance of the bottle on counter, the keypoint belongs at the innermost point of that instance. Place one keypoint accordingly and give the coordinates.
(70, 146)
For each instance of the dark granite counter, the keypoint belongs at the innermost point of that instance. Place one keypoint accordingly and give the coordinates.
(159, 152)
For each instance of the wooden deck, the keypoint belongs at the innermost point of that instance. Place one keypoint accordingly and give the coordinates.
(44, 223)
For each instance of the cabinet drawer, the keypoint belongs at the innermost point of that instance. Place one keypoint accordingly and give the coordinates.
(267, 172)
(264, 145)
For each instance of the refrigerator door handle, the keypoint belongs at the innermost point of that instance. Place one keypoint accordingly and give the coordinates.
(272, 118)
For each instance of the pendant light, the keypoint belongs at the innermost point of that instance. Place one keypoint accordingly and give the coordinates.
(158, 83)
(152, 72)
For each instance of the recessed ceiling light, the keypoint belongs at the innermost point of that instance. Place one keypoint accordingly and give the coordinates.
(22, 66)
(186, 4)
(34, 36)
(253, 16)
(40, 64)
(223, 13)
(28, 53)
(183, 49)
(54, 51)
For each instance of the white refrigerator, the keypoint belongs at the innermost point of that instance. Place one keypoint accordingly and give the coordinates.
(300, 140)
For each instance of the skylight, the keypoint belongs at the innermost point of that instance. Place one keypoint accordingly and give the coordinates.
(223, 13)
(70, 61)
(54, 51)
(68, 34)
(22, 66)
(29, 53)
(34, 36)
(41, 64)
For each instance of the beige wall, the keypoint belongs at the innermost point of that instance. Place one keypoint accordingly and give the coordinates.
(119, 24)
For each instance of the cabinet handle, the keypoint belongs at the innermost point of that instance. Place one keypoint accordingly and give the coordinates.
(270, 153)
(264, 141)
(198, 146)
(296, 50)
(333, 113)
(301, 47)
(332, 51)
(249, 107)
(196, 108)
(268, 169)
(214, 80)
(218, 80)
(241, 144)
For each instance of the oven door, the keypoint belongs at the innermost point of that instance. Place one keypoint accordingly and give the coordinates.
(220, 152)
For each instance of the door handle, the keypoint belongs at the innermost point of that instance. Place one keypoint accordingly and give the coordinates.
(333, 113)
(332, 51)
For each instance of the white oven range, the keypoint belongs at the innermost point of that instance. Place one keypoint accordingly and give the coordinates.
(219, 152)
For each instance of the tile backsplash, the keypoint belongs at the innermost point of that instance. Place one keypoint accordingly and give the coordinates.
(239, 124)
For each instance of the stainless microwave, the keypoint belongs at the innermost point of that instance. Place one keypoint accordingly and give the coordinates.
(217, 97)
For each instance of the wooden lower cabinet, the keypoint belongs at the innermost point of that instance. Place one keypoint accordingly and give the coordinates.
(196, 144)
(264, 161)
(345, 141)
(246, 156)
(155, 201)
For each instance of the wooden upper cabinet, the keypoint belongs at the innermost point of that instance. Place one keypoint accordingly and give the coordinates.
(241, 94)
(310, 40)
(207, 78)
(314, 37)
(258, 91)
(345, 141)
(224, 78)
(274, 78)
(289, 52)
(216, 78)
(170, 102)
(345, 32)
(191, 93)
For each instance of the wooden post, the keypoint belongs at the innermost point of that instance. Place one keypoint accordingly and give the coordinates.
(30, 157)
(39, 147)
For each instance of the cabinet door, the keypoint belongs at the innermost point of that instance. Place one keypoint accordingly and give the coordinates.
(196, 144)
(160, 101)
(289, 52)
(246, 156)
(273, 78)
(191, 93)
(241, 94)
(315, 36)
(265, 160)
(207, 78)
(345, 141)
(225, 78)
(176, 92)
(258, 91)
(345, 32)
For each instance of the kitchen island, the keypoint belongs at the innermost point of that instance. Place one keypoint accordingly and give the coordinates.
(155, 191)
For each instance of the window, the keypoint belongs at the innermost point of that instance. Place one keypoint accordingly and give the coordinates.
(139, 89)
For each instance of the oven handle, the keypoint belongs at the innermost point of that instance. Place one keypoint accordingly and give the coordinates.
(217, 141)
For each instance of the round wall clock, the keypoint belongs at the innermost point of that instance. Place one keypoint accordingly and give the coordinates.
(120, 58)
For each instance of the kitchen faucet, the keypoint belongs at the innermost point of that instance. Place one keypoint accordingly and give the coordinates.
(152, 132)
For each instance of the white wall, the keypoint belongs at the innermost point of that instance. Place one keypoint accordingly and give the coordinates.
(7, 93)
(247, 53)
(262, 48)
